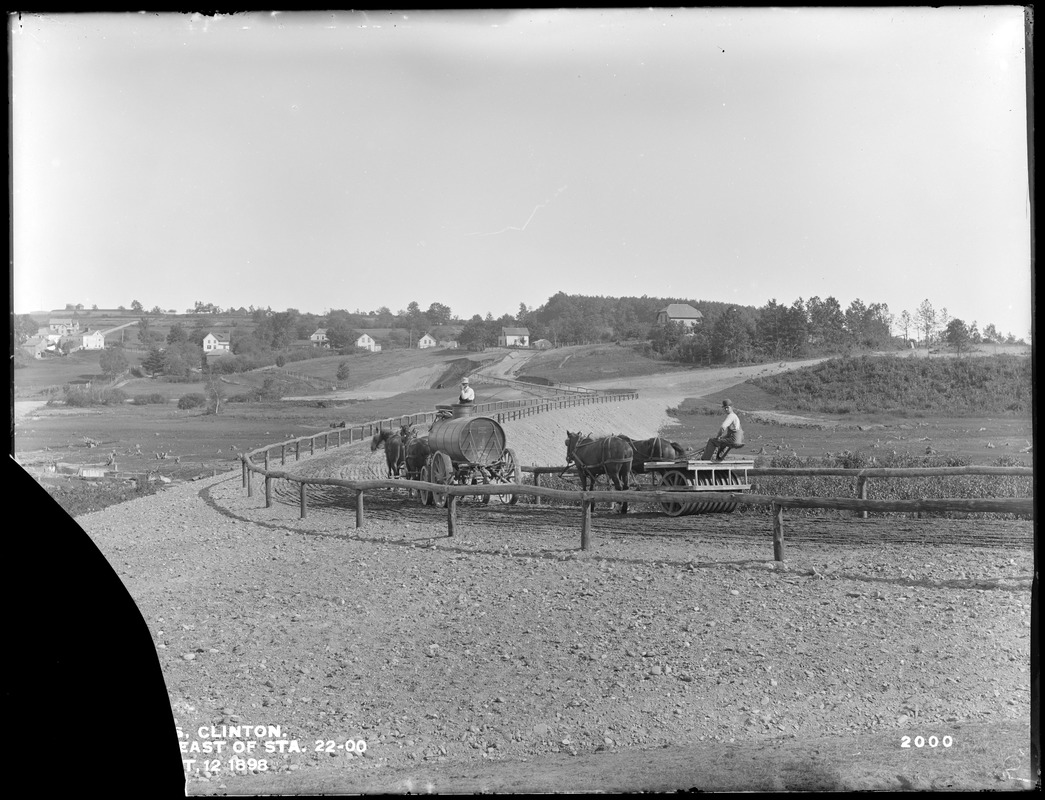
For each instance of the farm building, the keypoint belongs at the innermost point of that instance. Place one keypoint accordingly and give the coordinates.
(426, 341)
(514, 337)
(35, 346)
(366, 342)
(63, 325)
(319, 338)
(680, 312)
(92, 340)
(542, 344)
(216, 342)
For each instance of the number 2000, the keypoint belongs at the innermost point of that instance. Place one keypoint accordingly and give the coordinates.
(921, 741)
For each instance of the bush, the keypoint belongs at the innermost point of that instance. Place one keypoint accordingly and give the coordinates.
(194, 400)
(80, 398)
(149, 399)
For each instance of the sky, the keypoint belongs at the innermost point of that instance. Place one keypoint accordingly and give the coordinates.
(484, 160)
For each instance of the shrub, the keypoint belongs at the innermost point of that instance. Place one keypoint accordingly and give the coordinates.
(194, 400)
(149, 399)
(79, 398)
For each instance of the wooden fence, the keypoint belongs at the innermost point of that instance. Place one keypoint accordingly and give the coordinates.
(502, 411)
(587, 499)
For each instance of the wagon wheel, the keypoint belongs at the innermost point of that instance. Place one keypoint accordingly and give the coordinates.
(442, 472)
(675, 479)
(424, 495)
(509, 472)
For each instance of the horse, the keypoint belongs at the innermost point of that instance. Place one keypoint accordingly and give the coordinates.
(610, 455)
(415, 452)
(655, 449)
(394, 454)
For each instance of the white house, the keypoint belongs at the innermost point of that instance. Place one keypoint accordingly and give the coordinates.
(365, 342)
(514, 337)
(680, 312)
(216, 343)
(93, 340)
(426, 341)
(319, 338)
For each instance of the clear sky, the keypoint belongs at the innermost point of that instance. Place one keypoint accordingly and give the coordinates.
(486, 159)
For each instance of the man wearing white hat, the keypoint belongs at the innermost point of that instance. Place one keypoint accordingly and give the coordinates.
(730, 435)
(467, 393)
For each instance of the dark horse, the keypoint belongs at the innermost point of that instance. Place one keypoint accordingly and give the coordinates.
(415, 452)
(394, 453)
(655, 449)
(610, 455)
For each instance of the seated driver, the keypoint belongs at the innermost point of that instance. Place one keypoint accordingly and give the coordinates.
(467, 393)
(730, 435)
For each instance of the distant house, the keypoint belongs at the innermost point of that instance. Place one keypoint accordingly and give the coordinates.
(514, 337)
(63, 326)
(216, 343)
(35, 346)
(366, 342)
(426, 341)
(319, 338)
(680, 312)
(93, 340)
(542, 344)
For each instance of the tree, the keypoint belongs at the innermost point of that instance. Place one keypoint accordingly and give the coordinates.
(957, 335)
(906, 322)
(342, 371)
(112, 361)
(215, 393)
(24, 327)
(153, 362)
(177, 334)
(730, 337)
(341, 336)
(927, 320)
(180, 358)
(438, 314)
(137, 306)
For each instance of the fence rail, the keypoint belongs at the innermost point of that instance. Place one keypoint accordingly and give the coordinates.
(502, 411)
(587, 499)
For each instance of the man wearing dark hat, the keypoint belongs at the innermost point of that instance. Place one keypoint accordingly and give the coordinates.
(730, 435)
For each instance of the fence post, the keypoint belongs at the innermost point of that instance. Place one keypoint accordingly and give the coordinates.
(283, 454)
(339, 437)
(303, 511)
(268, 483)
(243, 465)
(250, 483)
(861, 492)
(297, 450)
(536, 485)
(451, 515)
(586, 525)
(312, 446)
(326, 441)
(359, 508)
(778, 531)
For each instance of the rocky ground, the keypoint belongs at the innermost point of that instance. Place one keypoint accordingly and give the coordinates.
(504, 659)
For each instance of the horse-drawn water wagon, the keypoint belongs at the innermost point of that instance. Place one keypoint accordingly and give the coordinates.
(467, 450)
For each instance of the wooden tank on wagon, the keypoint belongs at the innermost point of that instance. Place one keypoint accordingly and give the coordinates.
(467, 449)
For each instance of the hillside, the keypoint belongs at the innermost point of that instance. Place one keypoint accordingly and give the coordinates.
(904, 386)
